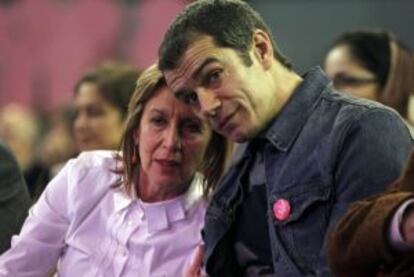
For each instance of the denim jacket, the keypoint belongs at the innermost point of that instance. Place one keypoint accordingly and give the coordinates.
(324, 150)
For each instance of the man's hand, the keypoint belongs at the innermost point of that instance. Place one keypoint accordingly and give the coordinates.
(194, 270)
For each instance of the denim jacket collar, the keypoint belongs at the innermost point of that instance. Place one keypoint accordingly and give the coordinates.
(286, 126)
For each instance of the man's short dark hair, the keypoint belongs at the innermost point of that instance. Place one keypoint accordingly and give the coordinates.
(230, 22)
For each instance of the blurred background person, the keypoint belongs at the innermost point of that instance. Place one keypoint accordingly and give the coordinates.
(139, 213)
(20, 129)
(55, 147)
(95, 120)
(14, 197)
(373, 64)
(101, 102)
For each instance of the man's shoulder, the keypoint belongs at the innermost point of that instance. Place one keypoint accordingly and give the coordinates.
(352, 102)
(348, 108)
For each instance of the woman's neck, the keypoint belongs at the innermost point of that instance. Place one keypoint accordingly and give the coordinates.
(152, 192)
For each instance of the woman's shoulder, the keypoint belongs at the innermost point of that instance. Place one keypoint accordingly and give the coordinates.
(96, 158)
(92, 174)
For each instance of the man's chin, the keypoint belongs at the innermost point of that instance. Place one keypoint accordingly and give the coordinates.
(237, 136)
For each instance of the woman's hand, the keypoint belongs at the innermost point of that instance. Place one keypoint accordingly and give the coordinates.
(194, 270)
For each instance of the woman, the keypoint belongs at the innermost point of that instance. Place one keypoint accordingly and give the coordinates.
(135, 214)
(373, 65)
(101, 101)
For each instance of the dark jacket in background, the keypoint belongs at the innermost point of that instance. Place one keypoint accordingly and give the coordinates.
(14, 197)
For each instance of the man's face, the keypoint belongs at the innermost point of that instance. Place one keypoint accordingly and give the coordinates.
(216, 83)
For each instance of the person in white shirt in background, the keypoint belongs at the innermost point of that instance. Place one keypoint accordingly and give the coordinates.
(138, 212)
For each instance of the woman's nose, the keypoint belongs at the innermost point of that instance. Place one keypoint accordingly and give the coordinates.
(172, 139)
(80, 122)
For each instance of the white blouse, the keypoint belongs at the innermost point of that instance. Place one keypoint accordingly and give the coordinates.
(88, 228)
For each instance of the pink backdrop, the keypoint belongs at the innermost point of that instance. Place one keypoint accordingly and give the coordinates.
(46, 45)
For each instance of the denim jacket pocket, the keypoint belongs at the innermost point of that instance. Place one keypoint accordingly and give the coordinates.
(302, 233)
(301, 200)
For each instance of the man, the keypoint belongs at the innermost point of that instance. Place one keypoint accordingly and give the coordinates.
(376, 235)
(307, 151)
(14, 197)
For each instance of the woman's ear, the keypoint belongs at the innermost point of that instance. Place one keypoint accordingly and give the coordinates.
(263, 48)
(136, 137)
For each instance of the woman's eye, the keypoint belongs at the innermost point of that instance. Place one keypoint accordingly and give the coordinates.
(158, 121)
(193, 128)
(94, 112)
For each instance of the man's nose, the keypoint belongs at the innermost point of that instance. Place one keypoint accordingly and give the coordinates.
(209, 103)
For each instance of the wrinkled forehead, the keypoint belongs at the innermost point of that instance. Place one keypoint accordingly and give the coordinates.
(191, 61)
(164, 102)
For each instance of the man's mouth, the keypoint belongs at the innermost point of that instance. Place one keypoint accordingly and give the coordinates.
(222, 124)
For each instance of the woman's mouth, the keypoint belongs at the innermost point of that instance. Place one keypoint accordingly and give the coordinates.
(167, 162)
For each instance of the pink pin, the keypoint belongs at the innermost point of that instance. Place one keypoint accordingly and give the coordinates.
(281, 209)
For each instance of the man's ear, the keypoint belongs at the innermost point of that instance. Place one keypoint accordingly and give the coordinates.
(263, 48)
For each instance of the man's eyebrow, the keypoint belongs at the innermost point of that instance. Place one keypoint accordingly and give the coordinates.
(184, 91)
(208, 61)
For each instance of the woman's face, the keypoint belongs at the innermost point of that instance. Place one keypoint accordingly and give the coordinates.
(348, 75)
(172, 142)
(98, 124)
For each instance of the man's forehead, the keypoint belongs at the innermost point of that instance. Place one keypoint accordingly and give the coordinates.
(194, 57)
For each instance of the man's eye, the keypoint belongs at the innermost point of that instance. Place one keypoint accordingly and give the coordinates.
(213, 78)
(190, 98)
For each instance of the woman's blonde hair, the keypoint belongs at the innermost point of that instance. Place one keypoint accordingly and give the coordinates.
(148, 84)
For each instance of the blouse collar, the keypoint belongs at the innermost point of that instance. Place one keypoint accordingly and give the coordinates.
(161, 215)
